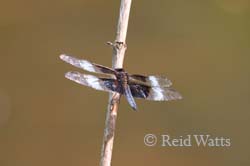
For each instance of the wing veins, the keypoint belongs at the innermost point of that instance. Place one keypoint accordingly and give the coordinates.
(86, 65)
(104, 84)
(154, 93)
(153, 81)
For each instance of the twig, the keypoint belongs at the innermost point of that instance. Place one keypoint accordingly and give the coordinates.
(119, 48)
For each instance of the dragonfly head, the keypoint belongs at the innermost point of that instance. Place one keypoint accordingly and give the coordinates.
(119, 70)
(121, 75)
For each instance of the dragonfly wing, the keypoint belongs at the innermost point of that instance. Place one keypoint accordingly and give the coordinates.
(153, 81)
(154, 93)
(86, 65)
(104, 84)
(161, 94)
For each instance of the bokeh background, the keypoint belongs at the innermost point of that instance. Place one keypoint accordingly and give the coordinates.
(202, 46)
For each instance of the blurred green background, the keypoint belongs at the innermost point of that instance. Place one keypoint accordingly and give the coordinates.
(202, 46)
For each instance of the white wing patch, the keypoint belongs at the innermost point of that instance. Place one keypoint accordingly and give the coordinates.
(87, 80)
(86, 65)
(159, 81)
(163, 94)
(93, 82)
(157, 93)
(154, 81)
(160, 91)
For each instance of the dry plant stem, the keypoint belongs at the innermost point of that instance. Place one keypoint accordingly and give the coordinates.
(119, 48)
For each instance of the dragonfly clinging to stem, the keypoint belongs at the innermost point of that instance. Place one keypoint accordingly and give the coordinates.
(132, 86)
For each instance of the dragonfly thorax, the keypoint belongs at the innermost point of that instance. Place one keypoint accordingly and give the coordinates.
(122, 77)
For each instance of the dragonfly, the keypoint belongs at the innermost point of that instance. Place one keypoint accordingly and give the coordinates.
(155, 88)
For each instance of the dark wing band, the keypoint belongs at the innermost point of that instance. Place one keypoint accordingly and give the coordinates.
(154, 81)
(86, 65)
(104, 84)
(154, 93)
